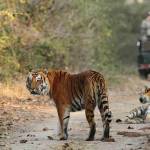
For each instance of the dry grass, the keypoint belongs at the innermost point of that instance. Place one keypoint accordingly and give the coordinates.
(14, 91)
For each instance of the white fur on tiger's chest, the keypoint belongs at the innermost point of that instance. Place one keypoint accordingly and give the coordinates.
(147, 119)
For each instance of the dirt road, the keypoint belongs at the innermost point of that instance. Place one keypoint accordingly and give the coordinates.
(32, 125)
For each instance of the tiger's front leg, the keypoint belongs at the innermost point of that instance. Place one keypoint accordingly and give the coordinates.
(64, 115)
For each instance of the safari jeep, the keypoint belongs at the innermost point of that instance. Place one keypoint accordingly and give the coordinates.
(143, 58)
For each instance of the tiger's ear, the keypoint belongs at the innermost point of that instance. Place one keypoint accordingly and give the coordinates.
(45, 71)
(30, 75)
(146, 87)
(30, 68)
(32, 71)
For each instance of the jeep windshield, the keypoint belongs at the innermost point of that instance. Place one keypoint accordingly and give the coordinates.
(146, 46)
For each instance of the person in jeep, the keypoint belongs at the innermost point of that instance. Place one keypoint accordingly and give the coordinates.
(145, 28)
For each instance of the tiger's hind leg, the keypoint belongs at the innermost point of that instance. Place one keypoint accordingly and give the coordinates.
(89, 111)
(64, 115)
(58, 128)
(105, 115)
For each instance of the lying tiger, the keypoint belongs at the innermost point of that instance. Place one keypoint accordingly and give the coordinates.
(141, 114)
(74, 92)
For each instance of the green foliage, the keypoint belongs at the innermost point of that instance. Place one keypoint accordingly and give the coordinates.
(74, 34)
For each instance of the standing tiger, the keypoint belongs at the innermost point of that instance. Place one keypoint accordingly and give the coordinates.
(141, 114)
(74, 92)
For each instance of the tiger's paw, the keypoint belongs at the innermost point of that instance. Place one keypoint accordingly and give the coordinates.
(110, 139)
(63, 138)
(90, 139)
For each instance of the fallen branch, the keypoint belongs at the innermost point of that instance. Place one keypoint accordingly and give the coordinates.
(132, 134)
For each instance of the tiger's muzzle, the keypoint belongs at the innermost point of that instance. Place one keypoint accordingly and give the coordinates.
(34, 92)
(144, 99)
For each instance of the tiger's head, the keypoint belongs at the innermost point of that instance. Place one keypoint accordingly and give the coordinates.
(145, 96)
(37, 83)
